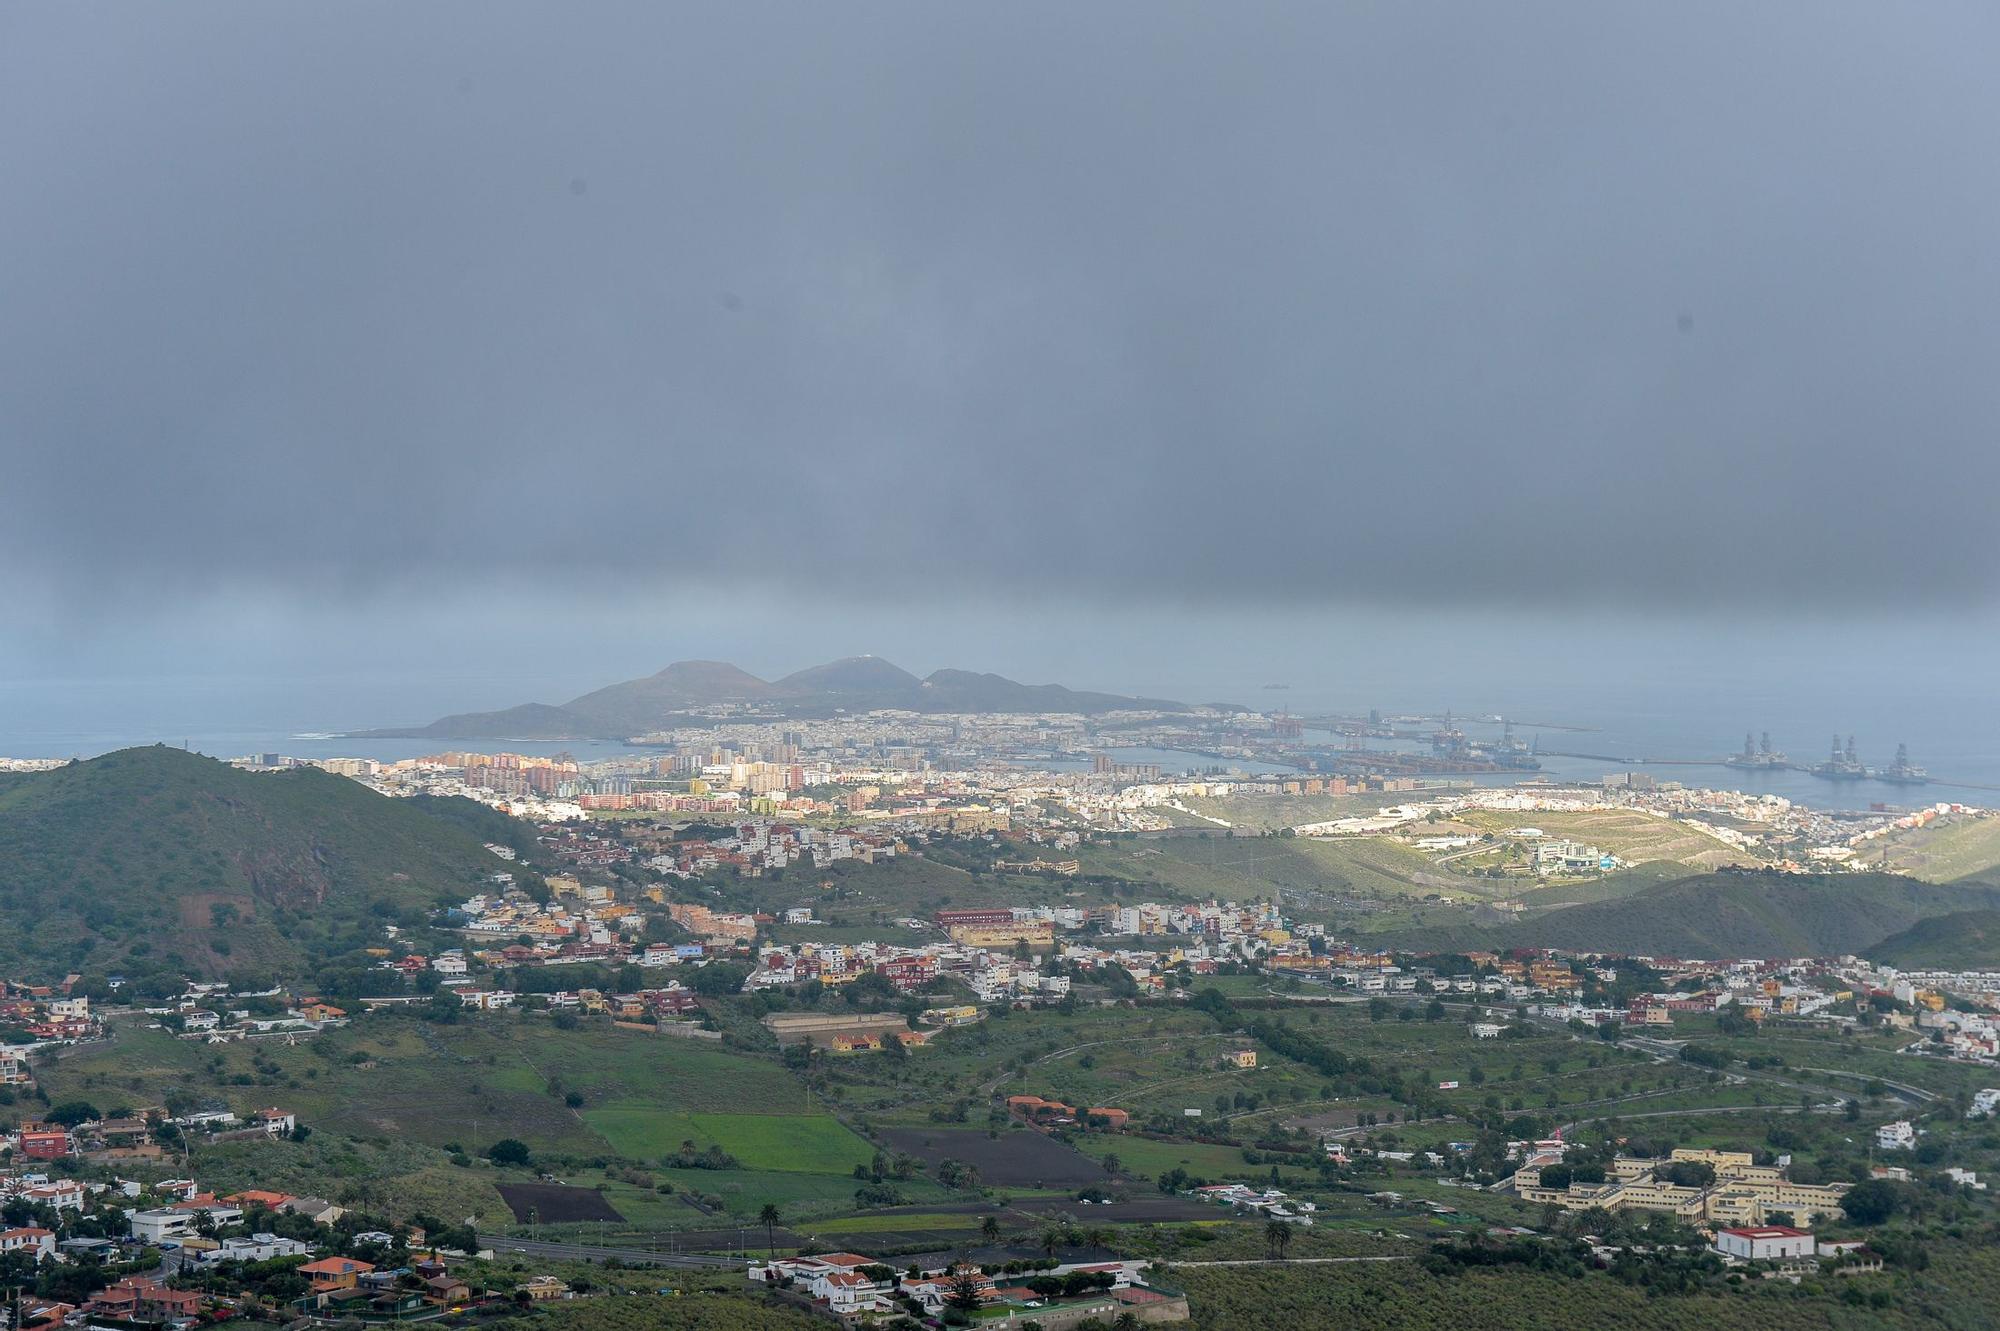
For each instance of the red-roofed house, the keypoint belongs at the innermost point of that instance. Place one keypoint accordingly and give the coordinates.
(1764, 1243)
(29, 1239)
(270, 1201)
(330, 1275)
(136, 1299)
(61, 1195)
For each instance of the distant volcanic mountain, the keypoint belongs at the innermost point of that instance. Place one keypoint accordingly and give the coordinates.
(689, 690)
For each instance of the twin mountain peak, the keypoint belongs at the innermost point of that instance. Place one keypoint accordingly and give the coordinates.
(688, 689)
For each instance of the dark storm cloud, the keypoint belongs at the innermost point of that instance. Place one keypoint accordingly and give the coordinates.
(1671, 304)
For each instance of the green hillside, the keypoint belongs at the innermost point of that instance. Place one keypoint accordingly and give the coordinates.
(1962, 940)
(1733, 915)
(165, 857)
(1954, 847)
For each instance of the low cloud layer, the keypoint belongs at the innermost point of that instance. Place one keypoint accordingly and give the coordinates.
(1668, 306)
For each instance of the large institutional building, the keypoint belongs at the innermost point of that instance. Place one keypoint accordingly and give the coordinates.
(1744, 1193)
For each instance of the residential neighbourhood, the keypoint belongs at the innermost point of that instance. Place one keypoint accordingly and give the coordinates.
(1109, 1063)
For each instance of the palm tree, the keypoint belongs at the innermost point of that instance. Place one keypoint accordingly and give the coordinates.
(989, 1229)
(1277, 1237)
(770, 1219)
(1112, 1163)
(1052, 1238)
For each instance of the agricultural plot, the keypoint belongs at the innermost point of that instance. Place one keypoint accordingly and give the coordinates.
(1013, 1159)
(959, 1072)
(477, 1081)
(550, 1203)
(1146, 1159)
(875, 1232)
(871, 897)
(801, 1143)
(1143, 1074)
(379, 1079)
(703, 1197)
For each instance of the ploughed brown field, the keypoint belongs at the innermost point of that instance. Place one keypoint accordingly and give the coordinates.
(555, 1204)
(1011, 1160)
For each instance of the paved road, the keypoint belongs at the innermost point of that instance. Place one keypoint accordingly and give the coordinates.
(1914, 1094)
(580, 1252)
(1702, 1113)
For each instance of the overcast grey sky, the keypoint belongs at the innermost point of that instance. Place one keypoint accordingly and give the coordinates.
(405, 313)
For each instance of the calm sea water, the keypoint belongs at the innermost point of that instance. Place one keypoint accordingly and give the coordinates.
(1955, 733)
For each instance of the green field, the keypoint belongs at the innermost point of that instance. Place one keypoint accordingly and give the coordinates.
(741, 1193)
(1354, 883)
(864, 900)
(472, 1082)
(877, 1224)
(1146, 1159)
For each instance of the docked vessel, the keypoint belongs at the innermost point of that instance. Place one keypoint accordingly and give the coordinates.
(1512, 754)
(1903, 772)
(1758, 756)
(1841, 765)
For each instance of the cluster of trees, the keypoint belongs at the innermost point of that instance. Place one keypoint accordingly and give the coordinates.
(1069, 1286)
(71, 1281)
(1686, 1174)
(1561, 1176)
(689, 1156)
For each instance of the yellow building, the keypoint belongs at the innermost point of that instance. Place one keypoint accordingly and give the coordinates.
(1744, 1193)
(974, 819)
(855, 1042)
(1035, 933)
